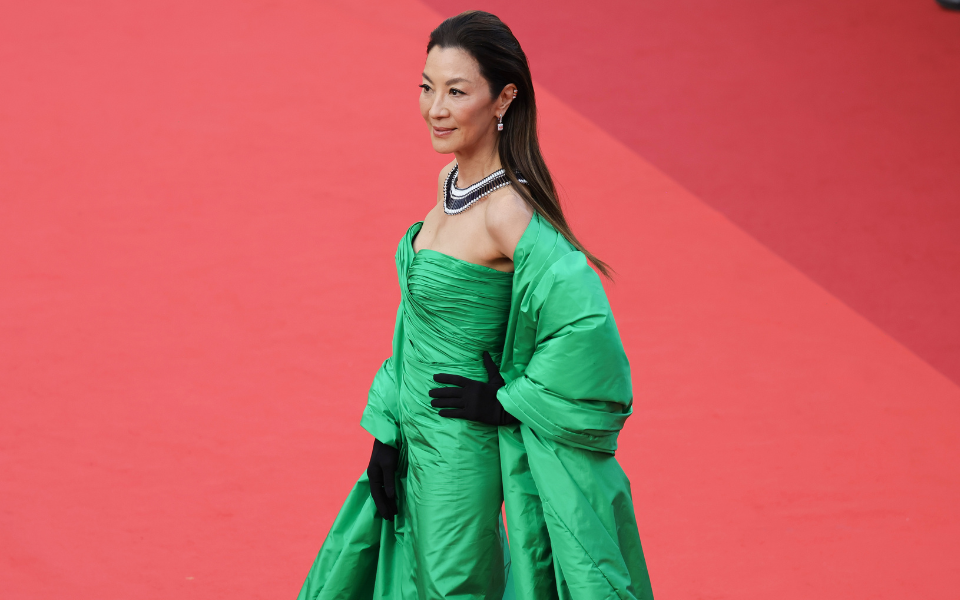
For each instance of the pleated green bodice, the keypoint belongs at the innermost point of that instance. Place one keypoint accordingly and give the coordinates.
(458, 309)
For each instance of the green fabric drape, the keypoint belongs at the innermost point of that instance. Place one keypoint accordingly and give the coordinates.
(569, 510)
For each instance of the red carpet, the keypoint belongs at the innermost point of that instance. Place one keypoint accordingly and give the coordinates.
(198, 285)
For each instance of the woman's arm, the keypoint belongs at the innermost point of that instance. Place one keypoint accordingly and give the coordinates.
(506, 218)
(381, 415)
(381, 418)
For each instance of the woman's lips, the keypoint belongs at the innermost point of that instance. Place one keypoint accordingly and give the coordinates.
(442, 131)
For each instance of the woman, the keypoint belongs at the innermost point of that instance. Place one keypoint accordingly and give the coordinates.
(508, 383)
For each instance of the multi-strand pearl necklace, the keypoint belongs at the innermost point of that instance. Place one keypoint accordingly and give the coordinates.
(457, 200)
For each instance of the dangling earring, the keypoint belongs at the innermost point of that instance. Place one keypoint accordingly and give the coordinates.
(499, 122)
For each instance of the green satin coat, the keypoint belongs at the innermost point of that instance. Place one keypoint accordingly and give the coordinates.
(572, 529)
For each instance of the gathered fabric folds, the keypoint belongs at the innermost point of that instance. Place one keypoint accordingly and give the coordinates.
(570, 532)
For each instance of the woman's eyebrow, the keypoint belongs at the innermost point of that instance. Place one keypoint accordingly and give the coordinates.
(449, 81)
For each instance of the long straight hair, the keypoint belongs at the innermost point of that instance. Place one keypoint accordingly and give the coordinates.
(502, 61)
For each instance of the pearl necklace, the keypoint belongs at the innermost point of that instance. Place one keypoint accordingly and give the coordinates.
(457, 200)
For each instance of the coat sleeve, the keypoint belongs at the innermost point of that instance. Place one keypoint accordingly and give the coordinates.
(568, 502)
(381, 417)
(576, 387)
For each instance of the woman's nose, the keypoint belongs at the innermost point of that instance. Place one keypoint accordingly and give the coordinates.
(437, 109)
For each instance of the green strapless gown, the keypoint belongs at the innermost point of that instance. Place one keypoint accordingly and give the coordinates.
(450, 490)
(573, 533)
(452, 493)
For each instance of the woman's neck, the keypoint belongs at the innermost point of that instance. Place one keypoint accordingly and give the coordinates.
(474, 166)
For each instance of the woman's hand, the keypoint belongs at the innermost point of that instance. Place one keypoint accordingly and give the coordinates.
(473, 400)
(381, 473)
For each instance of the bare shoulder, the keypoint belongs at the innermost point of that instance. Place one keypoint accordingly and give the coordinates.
(443, 175)
(445, 171)
(507, 217)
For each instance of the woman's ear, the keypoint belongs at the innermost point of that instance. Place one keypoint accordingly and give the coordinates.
(507, 95)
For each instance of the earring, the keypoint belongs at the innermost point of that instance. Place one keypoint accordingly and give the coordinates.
(499, 122)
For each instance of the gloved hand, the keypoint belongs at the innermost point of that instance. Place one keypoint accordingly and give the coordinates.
(381, 473)
(473, 400)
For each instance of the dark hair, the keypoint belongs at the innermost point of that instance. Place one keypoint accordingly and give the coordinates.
(488, 40)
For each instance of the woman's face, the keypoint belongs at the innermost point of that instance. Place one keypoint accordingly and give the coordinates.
(456, 103)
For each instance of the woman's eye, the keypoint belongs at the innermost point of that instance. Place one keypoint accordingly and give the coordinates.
(425, 87)
(455, 91)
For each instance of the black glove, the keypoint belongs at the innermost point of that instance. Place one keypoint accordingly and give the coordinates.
(473, 400)
(381, 473)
